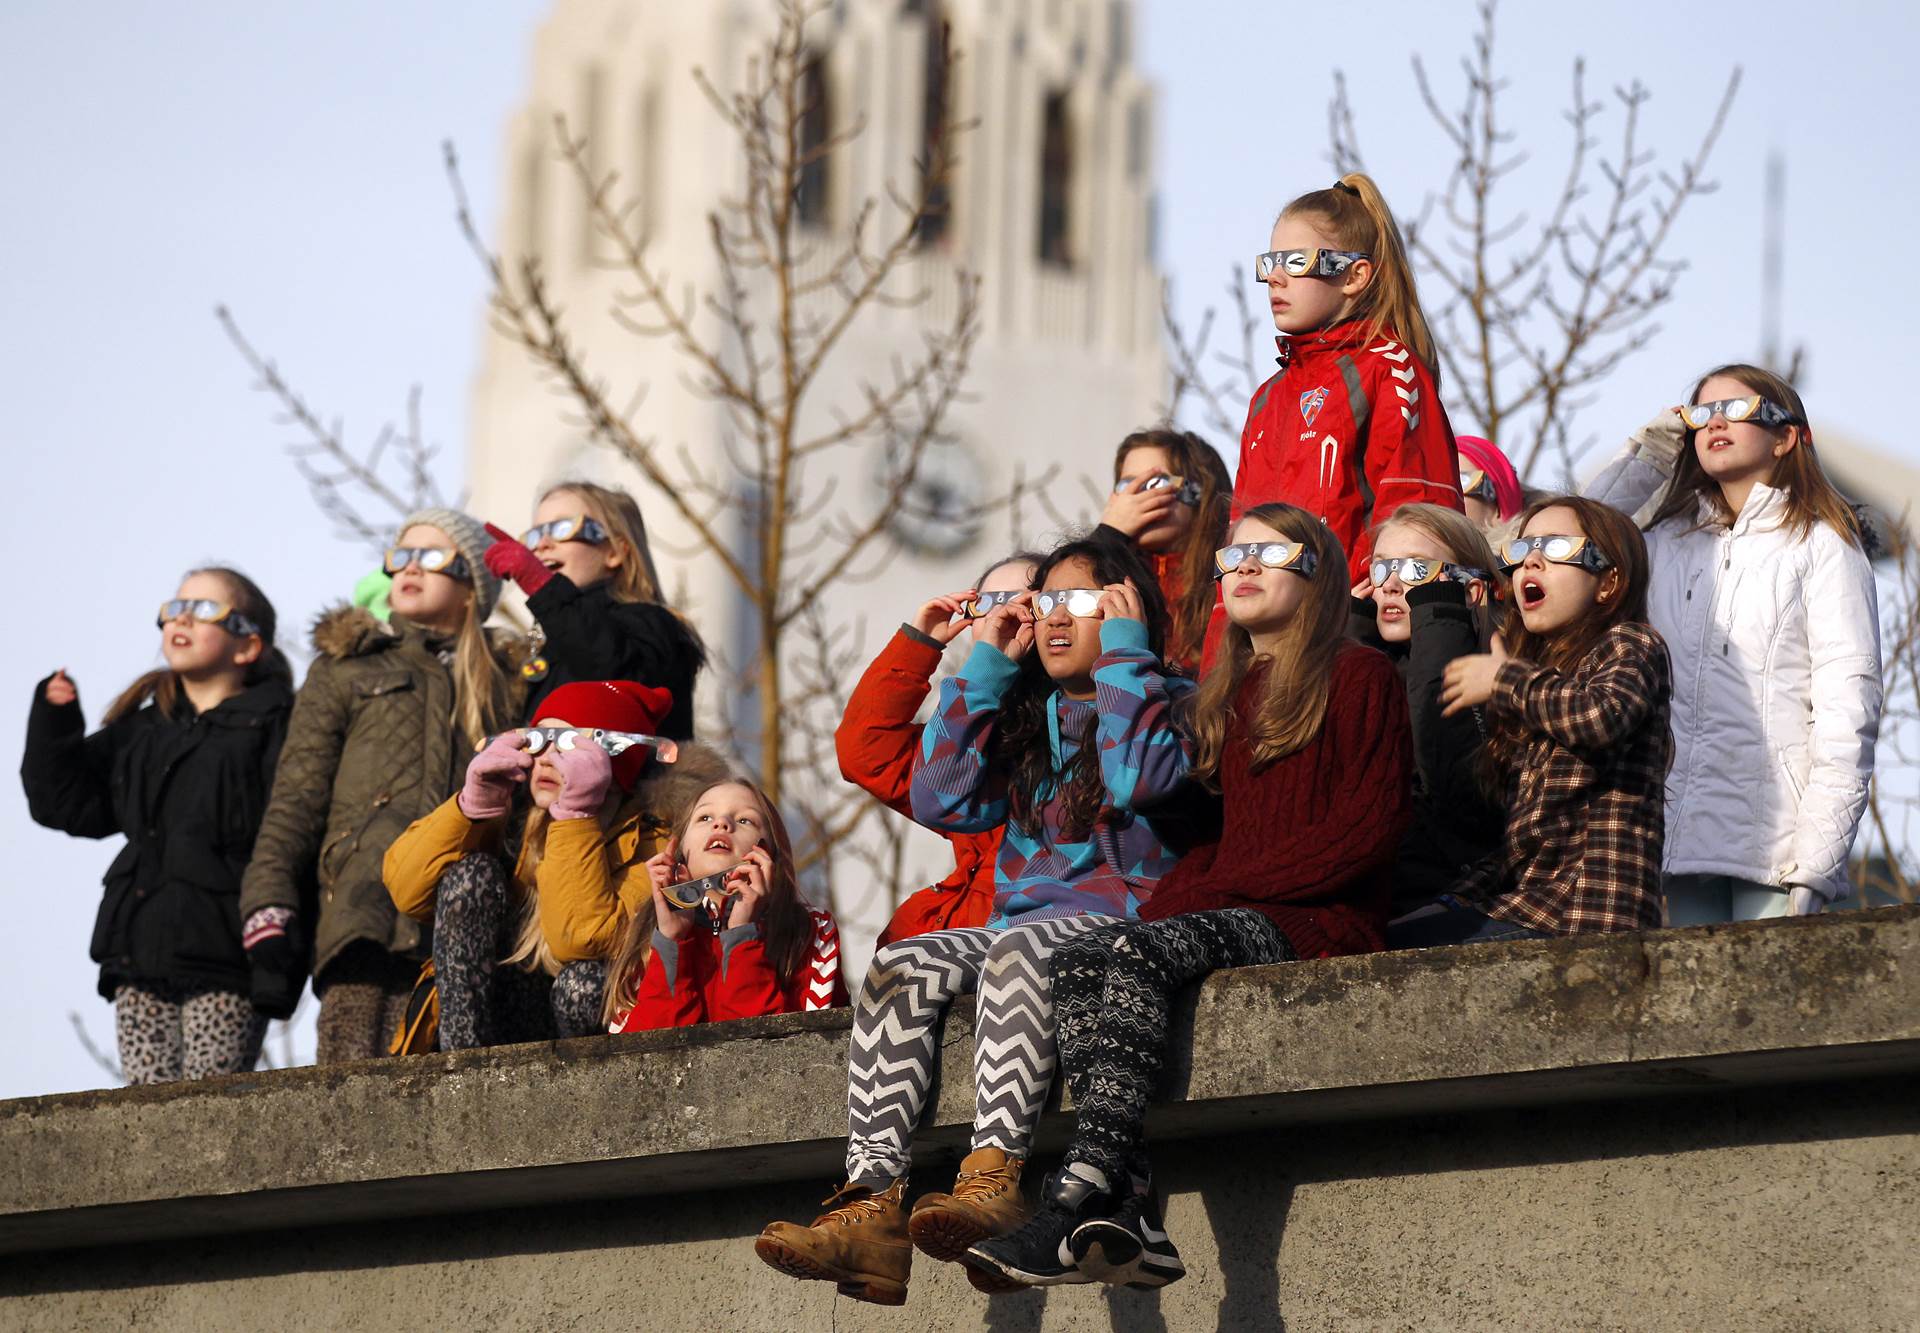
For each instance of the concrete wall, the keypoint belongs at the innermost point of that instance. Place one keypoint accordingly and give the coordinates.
(1689, 1130)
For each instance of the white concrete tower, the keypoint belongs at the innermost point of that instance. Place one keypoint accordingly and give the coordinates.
(1052, 205)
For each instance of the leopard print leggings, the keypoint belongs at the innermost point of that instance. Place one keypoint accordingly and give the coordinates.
(169, 1032)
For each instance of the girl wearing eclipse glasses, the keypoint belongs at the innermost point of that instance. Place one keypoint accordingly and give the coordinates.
(1764, 593)
(181, 766)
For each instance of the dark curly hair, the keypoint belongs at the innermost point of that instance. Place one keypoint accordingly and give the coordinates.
(1020, 747)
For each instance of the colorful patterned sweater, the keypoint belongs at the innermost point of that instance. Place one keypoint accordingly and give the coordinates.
(1043, 873)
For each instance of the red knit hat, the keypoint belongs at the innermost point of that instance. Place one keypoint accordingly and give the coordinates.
(612, 705)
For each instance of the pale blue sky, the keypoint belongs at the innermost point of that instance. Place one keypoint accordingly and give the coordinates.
(285, 160)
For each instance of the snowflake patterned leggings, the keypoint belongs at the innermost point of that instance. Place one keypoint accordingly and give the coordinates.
(171, 1032)
(484, 1002)
(1111, 996)
(895, 1023)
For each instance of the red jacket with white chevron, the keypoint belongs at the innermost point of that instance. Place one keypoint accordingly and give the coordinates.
(1351, 428)
(708, 978)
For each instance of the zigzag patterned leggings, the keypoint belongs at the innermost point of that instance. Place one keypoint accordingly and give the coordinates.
(1111, 993)
(902, 1003)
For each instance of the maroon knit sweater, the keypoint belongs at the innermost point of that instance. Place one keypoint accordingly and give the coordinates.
(1310, 840)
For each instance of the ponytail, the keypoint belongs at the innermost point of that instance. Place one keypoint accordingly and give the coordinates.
(162, 685)
(1355, 214)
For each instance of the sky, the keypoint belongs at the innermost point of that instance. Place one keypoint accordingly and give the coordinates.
(284, 160)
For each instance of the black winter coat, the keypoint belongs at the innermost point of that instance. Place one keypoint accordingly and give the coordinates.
(188, 793)
(590, 636)
(1454, 824)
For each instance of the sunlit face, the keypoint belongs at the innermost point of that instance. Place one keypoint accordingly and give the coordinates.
(1140, 465)
(544, 782)
(582, 562)
(1550, 596)
(1732, 452)
(727, 822)
(1391, 612)
(196, 649)
(1013, 576)
(1259, 599)
(1069, 645)
(1301, 305)
(437, 600)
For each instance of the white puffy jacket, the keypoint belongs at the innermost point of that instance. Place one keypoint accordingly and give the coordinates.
(1775, 641)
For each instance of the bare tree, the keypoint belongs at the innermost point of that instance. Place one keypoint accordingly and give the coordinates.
(1219, 382)
(394, 475)
(1887, 867)
(1536, 306)
(758, 343)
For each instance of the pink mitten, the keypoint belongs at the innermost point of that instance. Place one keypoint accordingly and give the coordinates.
(586, 772)
(493, 774)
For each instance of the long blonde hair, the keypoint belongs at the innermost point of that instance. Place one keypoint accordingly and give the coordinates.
(486, 696)
(1355, 214)
(786, 926)
(1299, 674)
(1464, 543)
(530, 948)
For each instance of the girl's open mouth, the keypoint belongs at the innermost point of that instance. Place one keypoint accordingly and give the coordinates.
(1059, 643)
(1531, 594)
(718, 843)
(179, 641)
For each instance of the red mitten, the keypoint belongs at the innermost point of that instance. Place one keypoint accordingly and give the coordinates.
(510, 559)
(586, 772)
(493, 774)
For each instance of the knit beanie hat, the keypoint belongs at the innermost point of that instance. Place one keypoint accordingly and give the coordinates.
(469, 536)
(1486, 455)
(612, 705)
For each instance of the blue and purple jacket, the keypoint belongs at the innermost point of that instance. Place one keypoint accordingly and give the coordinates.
(1142, 758)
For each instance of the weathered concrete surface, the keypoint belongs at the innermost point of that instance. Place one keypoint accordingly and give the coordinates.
(1435, 1140)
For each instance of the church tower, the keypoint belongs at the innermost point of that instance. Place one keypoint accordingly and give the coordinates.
(1051, 205)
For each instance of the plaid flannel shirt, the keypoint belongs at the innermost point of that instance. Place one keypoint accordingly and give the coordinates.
(1586, 798)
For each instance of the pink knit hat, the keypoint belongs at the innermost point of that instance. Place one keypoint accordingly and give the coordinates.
(1481, 455)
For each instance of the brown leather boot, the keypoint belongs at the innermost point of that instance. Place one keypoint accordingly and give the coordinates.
(860, 1243)
(985, 1202)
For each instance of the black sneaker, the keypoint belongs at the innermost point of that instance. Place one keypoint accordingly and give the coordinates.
(1130, 1248)
(1037, 1255)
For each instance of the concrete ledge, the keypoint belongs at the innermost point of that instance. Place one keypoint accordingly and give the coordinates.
(1392, 1035)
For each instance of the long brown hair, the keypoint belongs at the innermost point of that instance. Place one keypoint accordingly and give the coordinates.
(1021, 746)
(1299, 673)
(1355, 214)
(486, 696)
(1620, 541)
(1194, 460)
(1811, 498)
(785, 923)
(1465, 543)
(162, 685)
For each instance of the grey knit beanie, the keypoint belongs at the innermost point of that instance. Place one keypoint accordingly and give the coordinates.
(470, 537)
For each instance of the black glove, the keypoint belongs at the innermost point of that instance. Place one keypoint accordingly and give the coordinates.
(279, 967)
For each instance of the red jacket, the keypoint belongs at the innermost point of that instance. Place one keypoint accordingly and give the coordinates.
(1351, 428)
(876, 742)
(1310, 840)
(703, 979)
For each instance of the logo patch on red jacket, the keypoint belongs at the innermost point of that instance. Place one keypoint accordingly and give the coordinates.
(1310, 404)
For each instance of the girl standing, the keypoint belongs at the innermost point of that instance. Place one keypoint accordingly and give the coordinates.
(1428, 599)
(522, 955)
(1766, 598)
(878, 738)
(1171, 494)
(1059, 722)
(755, 947)
(590, 583)
(1304, 735)
(181, 766)
(1351, 427)
(1576, 693)
(381, 733)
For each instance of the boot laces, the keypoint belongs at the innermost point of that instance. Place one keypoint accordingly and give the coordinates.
(983, 1186)
(868, 1205)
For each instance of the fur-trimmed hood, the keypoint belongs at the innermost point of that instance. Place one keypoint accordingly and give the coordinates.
(344, 631)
